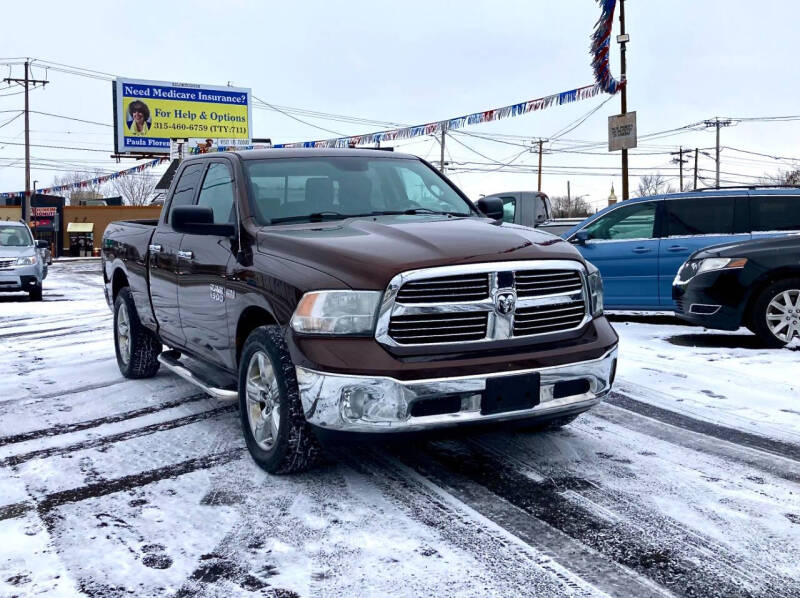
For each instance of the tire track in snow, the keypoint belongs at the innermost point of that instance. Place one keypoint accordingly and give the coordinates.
(545, 500)
(15, 460)
(60, 429)
(780, 448)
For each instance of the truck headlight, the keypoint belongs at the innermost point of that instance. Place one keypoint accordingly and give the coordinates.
(28, 260)
(595, 290)
(337, 312)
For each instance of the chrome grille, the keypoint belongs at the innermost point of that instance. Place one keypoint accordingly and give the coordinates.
(467, 287)
(425, 329)
(536, 283)
(543, 319)
(6, 263)
(486, 302)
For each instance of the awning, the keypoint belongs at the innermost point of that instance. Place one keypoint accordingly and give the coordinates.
(80, 227)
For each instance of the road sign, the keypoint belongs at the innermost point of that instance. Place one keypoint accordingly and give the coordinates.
(622, 131)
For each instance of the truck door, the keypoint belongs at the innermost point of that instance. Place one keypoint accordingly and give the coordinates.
(205, 259)
(164, 261)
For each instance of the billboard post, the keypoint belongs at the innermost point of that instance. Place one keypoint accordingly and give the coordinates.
(147, 114)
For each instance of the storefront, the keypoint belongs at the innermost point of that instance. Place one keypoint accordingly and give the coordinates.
(47, 216)
(81, 239)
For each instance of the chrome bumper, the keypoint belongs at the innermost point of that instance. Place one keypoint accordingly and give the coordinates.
(383, 404)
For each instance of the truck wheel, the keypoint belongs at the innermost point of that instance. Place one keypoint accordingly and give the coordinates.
(776, 313)
(137, 347)
(36, 293)
(275, 429)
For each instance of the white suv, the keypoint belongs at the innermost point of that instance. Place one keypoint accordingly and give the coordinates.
(21, 265)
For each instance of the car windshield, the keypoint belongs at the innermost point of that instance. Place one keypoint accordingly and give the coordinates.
(15, 236)
(331, 188)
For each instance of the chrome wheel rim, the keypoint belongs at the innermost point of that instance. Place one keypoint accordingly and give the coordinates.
(263, 401)
(123, 334)
(783, 315)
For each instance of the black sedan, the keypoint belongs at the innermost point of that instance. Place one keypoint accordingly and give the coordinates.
(750, 283)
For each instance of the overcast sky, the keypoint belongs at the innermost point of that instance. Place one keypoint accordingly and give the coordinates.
(416, 61)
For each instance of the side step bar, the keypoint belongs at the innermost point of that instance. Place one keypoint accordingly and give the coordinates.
(171, 361)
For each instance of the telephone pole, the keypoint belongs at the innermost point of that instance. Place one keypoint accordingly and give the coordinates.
(444, 135)
(718, 123)
(26, 82)
(622, 38)
(539, 188)
(680, 161)
(696, 152)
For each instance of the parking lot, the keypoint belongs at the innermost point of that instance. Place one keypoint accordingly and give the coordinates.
(684, 482)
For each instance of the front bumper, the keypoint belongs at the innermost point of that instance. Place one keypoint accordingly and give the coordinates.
(713, 299)
(24, 278)
(384, 404)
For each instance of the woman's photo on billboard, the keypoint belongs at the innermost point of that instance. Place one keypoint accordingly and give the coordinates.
(138, 118)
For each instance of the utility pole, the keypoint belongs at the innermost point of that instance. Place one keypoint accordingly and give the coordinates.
(568, 194)
(541, 142)
(680, 161)
(444, 134)
(26, 82)
(718, 123)
(696, 152)
(622, 38)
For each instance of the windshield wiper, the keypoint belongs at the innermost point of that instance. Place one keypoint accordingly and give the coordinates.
(429, 211)
(315, 217)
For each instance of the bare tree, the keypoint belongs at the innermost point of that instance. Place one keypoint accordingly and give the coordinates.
(783, 177)
(569, 207)
(136, 188)
(87, 189)
(654, 184)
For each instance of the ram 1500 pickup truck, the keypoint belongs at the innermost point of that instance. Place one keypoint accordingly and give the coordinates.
(357, 291)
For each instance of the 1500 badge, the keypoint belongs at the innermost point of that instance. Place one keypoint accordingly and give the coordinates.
(219, 293)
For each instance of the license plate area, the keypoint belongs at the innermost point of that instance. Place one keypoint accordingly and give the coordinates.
(510, 393)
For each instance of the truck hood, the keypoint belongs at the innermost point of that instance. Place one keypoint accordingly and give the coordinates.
(365, 253)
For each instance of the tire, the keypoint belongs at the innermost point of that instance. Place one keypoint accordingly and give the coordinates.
(36, 293)
(137, 347)
(767, 309)
(268, 393)
(551, 424)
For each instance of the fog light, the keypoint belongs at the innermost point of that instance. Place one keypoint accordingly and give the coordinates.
(367, 403)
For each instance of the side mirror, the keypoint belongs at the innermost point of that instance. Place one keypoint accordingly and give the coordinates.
(198, 220)
(42, 244)
(581, 237)
(491, 207)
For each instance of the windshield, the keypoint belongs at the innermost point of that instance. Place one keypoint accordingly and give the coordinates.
(329, 188)
(15, 236)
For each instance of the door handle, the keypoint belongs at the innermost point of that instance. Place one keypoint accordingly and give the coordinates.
(677, 248)
(641, 250)
(186, 255)
(155, 248)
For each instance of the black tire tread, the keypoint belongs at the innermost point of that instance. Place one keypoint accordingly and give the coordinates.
(145, 345)
(301, 449)
(36, 293)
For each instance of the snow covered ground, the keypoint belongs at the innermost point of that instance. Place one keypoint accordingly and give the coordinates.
(685, 482)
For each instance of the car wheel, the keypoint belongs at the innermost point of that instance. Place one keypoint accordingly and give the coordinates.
(275, 428)
(137, 347)
(776, 313)
(36, 293)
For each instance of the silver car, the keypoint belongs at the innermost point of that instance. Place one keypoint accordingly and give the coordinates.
(21, 265)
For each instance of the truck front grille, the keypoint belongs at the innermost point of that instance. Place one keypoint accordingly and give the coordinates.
(548, 318)
(426, 329)
(479, 303)
(467, 287)
(535, 283)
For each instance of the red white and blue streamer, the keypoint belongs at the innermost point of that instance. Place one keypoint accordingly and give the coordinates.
(601, 45)
(88, 182)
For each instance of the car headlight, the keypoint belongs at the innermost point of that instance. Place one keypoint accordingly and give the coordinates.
(692, 268)
(28, 260)
(337, 312)
(595, 289)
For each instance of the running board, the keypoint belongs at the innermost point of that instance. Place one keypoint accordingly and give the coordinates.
(171, 361)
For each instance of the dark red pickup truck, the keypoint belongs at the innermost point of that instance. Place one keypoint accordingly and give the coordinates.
(353, 290)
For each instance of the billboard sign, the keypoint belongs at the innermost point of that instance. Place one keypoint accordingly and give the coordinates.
(147, 114)
(622, 131)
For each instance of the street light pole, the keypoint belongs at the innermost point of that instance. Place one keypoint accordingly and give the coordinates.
(623, 40)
